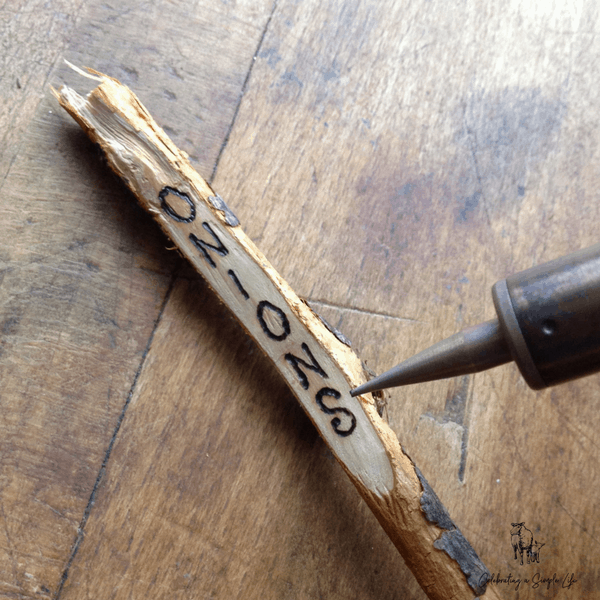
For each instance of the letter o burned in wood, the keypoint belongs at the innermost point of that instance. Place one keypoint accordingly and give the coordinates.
(164, 193)
(266, 321)
(319, 368)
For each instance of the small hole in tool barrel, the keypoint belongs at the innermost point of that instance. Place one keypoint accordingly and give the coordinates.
(549, 327)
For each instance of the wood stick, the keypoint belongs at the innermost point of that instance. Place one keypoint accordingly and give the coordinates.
(319, 366)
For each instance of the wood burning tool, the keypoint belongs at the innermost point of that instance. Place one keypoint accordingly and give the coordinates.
(548, 323)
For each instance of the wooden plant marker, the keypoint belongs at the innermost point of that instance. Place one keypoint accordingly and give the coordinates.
(318, 366)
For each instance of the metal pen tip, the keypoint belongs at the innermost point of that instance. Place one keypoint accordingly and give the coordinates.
(365, 388)
(471, 350)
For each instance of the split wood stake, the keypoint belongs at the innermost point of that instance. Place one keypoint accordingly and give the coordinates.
(317, 365)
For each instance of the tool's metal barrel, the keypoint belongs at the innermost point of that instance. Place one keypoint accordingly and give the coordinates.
(550, 316)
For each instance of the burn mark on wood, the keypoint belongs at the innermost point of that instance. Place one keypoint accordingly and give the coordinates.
(313, 366)
(285, 324)
(170, 210)
(336, 421)
(205, 246)
(452, 541)
(238, 283)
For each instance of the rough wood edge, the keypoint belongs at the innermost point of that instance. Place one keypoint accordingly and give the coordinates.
(435, 550)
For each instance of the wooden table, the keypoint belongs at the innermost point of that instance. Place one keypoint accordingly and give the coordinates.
(392, 160)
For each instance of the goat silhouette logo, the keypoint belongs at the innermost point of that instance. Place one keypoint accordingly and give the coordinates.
(522, 542)
(525, 546)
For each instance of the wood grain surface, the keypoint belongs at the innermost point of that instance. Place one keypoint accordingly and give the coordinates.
(393, 160)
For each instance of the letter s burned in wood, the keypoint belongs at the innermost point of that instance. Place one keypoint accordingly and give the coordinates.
(208, 234)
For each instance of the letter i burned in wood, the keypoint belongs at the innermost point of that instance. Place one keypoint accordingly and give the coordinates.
(319, 368)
